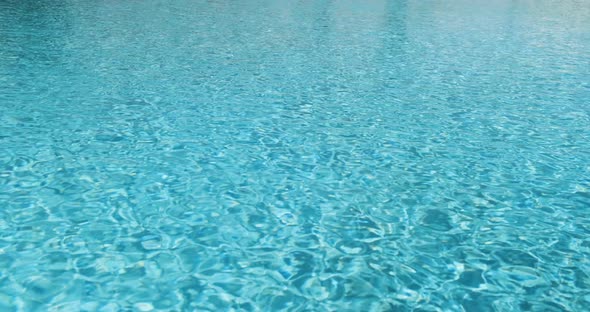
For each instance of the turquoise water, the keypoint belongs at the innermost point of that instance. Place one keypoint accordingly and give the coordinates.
(294, 155)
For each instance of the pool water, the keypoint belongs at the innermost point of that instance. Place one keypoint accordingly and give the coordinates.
(294, 155)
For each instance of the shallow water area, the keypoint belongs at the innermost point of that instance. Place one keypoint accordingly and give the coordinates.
(294, 155)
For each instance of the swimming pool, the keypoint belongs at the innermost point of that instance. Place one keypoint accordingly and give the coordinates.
(294, 155)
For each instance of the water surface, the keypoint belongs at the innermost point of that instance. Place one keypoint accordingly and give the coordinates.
(294, 155)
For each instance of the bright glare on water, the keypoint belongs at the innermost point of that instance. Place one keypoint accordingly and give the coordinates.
(283, 155)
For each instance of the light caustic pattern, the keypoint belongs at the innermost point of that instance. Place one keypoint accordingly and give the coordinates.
(294, 155)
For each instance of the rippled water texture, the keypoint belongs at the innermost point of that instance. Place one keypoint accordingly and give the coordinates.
(294, 155)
